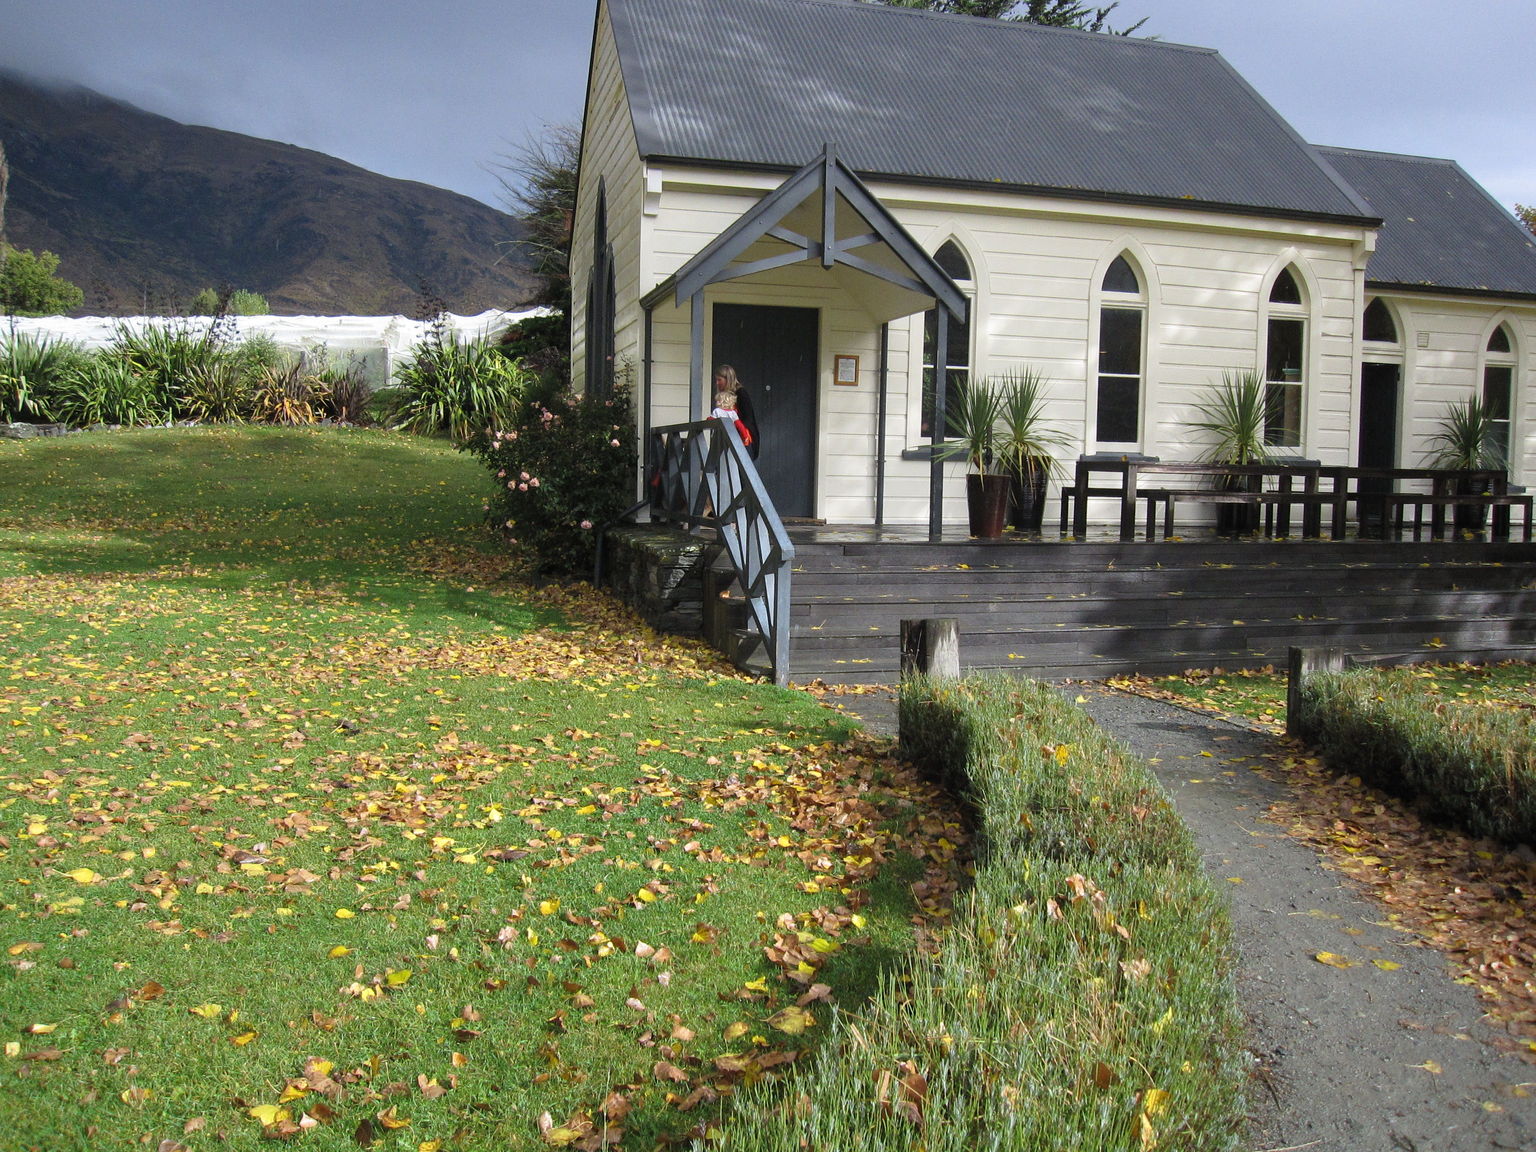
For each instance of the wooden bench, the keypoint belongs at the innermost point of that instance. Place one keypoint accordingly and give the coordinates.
(1400, 502)
(1270, 501)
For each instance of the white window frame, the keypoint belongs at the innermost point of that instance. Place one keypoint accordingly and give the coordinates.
(917, 365)
(1272, 310)
(1509, 361)
(1129, 302)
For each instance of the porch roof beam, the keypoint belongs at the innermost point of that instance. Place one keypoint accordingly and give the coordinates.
(853, 242)
(882, 273)
(790, 236)
(745, 231)
(767, 264)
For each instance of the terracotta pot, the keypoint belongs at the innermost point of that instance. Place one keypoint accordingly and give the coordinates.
(987, 501)
(1028, 490)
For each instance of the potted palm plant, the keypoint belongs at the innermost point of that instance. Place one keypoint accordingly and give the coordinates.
(972, 420)
(1027, 445)
(1468, 438)
(1234, 415)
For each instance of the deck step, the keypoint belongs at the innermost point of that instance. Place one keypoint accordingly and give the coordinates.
(1097, 609)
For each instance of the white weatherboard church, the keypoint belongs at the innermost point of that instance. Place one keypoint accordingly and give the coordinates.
(801, 188)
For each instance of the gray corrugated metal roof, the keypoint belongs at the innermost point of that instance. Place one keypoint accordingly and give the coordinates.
(954, 98)
(1440, 228)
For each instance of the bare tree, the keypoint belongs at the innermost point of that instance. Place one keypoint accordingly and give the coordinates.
(5, 179)
(538, 186)
(1051, 13)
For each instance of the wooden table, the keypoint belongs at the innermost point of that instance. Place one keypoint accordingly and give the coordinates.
(1130, 469)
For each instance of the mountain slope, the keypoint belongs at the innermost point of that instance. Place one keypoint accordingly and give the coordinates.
(144, 211)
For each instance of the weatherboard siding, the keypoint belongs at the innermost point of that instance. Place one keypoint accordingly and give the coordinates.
(609, 154)
(1037, 273)
(1038, 263)
(1448, 369)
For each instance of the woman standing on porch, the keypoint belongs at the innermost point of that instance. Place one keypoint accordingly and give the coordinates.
(726, 381)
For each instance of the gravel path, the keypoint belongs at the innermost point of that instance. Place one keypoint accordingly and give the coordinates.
(1368, 1058)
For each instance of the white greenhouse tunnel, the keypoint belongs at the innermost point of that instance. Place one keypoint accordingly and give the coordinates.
(377, 343)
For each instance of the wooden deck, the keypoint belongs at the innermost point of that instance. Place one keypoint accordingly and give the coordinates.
(1094, 608)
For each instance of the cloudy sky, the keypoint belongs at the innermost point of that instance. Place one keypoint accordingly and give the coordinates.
(437, 91)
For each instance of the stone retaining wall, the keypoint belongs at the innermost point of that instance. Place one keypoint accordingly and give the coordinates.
(659, 571)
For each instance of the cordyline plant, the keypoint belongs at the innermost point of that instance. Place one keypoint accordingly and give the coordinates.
(564, 470)
(462, 387)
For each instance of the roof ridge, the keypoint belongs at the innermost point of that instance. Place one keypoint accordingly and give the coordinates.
(1024, 27)
(1384, 155)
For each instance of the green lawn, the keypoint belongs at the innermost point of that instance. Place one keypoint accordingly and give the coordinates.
(316, 823)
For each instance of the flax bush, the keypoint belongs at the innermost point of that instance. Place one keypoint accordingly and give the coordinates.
(1083, 997)
(461, 387)
(563, 471)
(32, 368)
(1467, 765)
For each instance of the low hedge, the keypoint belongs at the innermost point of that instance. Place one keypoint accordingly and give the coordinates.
(1471, 766)
(1083, 997)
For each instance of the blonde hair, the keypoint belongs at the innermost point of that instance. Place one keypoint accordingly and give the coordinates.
(728, 374)
(725, 399)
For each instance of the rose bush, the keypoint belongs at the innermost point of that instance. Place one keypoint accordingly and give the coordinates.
(564, 469)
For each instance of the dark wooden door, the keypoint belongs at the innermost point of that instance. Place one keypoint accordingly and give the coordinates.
(774, 352)
(1379, 387)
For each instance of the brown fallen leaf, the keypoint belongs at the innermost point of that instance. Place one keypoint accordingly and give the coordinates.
(665, 1071)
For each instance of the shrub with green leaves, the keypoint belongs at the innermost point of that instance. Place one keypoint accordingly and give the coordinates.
(236, 302)
(349, 395)
(290, 394)
(461, 387)
(168, 356)
(215, 392)
(29, 286)
(31, 371)
(106, 390)
(1083, 997)
(563, 472)
(1468, 765)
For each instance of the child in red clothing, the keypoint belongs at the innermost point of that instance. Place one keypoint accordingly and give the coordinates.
(725, 409)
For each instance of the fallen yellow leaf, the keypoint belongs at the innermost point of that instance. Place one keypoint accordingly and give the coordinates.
(268, 1114)
(791, 1021)
(1333, 960)
(83, 875)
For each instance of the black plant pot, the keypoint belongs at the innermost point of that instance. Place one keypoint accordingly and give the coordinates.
(986, 497)
(1238, 519)
(1028, 511)
(1471, 520)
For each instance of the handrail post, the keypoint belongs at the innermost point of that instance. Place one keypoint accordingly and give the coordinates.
(708, 480)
